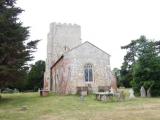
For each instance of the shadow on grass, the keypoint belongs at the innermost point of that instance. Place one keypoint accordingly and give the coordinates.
(17, 98)
(5, 100)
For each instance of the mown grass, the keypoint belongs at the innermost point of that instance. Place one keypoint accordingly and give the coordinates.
(55, 107)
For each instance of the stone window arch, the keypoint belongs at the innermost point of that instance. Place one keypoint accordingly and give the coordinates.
(88, 72)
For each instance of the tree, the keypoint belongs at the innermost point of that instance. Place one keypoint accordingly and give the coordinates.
(130, 59)
(15, 51)
(142, 65)
(36, 75)
(146, 71)
(126, 75)
(133, 50)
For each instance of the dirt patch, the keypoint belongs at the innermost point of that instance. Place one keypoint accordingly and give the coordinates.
(49, 117)
(141, 107)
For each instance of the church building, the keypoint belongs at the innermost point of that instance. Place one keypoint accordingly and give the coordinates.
(71, 64)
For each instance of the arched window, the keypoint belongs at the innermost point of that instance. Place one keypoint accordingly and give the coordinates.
(88, 73)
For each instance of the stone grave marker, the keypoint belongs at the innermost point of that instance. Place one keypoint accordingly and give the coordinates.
(143, 92)
(131, 94)
(149, 92)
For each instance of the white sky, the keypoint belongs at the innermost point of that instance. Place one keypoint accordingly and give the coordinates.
(108, 24)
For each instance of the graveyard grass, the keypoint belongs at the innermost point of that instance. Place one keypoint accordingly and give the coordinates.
(30, 106)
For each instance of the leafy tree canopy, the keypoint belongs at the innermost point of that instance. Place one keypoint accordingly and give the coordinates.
(141, 65)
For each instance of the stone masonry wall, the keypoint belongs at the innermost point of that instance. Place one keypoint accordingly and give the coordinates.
(61, 77)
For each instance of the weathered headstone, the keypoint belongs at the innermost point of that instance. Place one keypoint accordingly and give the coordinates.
(89, 88)
(98, 97)
(16, 90)
(83, 94)
(131, 94)
(103, 98)
(143, 92)
(149, 92)
(120, 96)
(112, 90)
(39, 90)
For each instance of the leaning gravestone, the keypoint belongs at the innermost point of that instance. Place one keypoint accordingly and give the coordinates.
(149, 92)
(131, 94)
(143, 92)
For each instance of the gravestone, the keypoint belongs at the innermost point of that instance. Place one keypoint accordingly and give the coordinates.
(131, 94)
(44, 92)
(149, 92)
(98, 97)
(103, 98)
(120, 96)
(143, 92)
(112, 90)
(83, 94)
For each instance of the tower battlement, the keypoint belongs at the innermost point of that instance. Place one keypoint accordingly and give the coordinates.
(63, 25)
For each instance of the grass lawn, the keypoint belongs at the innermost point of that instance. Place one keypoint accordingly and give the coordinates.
(56, 107)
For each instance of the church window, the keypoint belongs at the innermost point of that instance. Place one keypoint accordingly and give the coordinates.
(88, 73)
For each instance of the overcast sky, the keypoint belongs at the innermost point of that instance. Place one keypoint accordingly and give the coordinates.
(108, 24)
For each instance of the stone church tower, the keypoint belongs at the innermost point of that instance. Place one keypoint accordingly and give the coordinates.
(61, 38)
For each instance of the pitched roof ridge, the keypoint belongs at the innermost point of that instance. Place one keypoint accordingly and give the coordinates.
(98, 48)
(83, 44)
